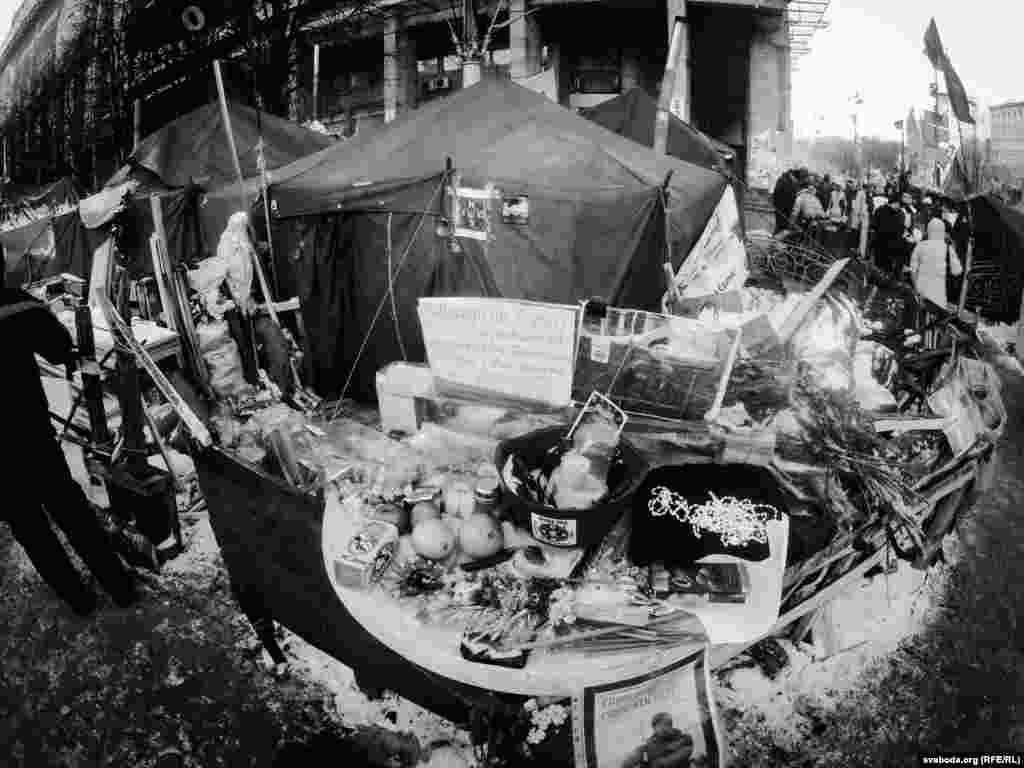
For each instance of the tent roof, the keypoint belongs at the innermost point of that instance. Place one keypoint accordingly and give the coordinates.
(194, 147)
(495, 131)
(633, 114)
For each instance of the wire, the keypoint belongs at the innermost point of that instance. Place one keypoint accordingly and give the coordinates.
(384, 299)
(391, 293)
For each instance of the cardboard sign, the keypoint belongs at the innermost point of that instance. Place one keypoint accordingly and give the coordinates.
(664, 718)
(516, 349)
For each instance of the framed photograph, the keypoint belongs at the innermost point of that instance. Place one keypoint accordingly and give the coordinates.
(473, 213)
(665, 719)
(515, 209)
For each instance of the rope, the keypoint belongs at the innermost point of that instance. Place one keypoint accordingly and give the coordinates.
(391, 293)
(384, 299)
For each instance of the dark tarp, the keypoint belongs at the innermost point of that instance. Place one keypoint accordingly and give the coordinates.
(76, 243)
(633, 115)
(997, 277)
(195, 147)
(27, 224)
(596, 224)
(23, 205)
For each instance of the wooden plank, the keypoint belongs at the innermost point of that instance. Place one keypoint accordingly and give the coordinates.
(800, 312)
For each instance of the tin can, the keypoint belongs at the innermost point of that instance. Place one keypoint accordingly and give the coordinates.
(368, 555)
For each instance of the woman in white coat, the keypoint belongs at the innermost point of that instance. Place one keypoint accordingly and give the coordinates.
(930, 261)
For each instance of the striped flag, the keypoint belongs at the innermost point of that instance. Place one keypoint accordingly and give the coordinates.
(954, 86)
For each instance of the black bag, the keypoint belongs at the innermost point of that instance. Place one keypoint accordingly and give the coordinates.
(674, 542)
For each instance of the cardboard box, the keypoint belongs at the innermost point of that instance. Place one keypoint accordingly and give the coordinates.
(402, 389)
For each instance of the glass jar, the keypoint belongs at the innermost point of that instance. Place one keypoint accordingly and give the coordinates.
(487, 496)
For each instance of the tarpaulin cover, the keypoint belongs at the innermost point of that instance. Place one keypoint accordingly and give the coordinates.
(633, 115)
(998, 275)
(76, 243)
(24, 206)
(596, 225)
(195, 146)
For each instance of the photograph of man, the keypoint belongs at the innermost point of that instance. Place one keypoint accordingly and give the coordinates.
(667, 747)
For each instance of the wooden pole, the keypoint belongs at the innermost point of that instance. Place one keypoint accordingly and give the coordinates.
(668, 84)
(136, 124)
(226, 117)
(316, 81)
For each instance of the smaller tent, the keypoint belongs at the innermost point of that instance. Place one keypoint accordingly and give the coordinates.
(187, 164)
(194, 147)
(633, 115)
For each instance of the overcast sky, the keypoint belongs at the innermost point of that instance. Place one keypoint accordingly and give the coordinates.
(874, 47)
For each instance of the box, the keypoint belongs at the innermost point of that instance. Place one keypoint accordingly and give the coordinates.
(402, 389)
(621, 354)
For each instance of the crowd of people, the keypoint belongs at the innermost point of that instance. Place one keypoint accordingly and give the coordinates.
(912, 235)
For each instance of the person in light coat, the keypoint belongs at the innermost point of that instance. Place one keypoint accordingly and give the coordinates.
(930, 261)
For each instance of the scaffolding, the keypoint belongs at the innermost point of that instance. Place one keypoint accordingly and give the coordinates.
(804, 18)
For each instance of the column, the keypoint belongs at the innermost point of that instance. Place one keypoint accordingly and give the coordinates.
(400, 73)
(525, 41)
(679, 103)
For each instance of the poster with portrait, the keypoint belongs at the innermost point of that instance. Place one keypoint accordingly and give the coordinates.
(665, 719)
(473, 212)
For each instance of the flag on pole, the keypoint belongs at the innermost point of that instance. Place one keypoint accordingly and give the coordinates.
(954, 86)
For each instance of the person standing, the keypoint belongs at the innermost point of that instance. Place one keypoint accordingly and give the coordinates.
(930, 263)
(40, 487)
(807, 207)
(783, 197)
(890, 244)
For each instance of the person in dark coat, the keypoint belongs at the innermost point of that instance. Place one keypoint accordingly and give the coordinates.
(890, 245)
(36, 470)
(783, 197)
(668, 747)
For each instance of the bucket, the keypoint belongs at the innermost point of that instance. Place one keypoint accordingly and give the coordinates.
(569, 527)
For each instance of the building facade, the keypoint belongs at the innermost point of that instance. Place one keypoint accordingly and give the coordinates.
(1007, 136)
(355, 65)
(733, 82)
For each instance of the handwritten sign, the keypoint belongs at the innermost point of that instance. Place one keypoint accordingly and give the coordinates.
(517, 349)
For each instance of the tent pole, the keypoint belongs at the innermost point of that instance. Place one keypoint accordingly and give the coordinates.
(226, 117)
(668, 84)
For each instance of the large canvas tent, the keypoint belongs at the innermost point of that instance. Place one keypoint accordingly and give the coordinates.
(371, 212)
(633, 114)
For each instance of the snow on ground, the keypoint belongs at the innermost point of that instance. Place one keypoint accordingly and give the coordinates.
(869, 621)
(355, 709)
